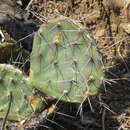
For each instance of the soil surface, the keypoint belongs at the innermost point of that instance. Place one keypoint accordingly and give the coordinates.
(109, 24)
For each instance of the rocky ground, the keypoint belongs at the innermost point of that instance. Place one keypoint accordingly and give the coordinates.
(109, 24)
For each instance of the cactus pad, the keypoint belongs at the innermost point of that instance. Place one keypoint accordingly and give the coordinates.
(65, 61)
(23, 101)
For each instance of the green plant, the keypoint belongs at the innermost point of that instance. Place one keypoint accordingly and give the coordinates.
(65, 61)
(65, 65)
(16, 90)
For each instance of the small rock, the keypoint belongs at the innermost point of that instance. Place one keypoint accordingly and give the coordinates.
(100, 33)
(125, 27)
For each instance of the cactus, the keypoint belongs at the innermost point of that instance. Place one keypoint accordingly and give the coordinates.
(13, 54)
(65, 64)
(65, 61)
(13, 84)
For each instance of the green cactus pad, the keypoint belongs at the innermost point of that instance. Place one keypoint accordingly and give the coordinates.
(65, 61)
(23, 102)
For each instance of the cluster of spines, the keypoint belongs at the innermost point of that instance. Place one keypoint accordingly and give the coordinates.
(11, 53)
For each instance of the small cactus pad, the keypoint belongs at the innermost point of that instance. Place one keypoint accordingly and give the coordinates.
(65, 61)
(13, 84)
(13, 54)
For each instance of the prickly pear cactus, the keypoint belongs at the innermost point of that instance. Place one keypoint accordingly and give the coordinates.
(65, 61)
(16, 91)
(11, 53)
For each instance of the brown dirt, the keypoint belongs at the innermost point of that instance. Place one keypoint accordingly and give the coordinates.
(108, 25)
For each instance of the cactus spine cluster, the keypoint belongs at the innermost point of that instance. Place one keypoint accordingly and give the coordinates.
(65, 61)
(11, 53)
